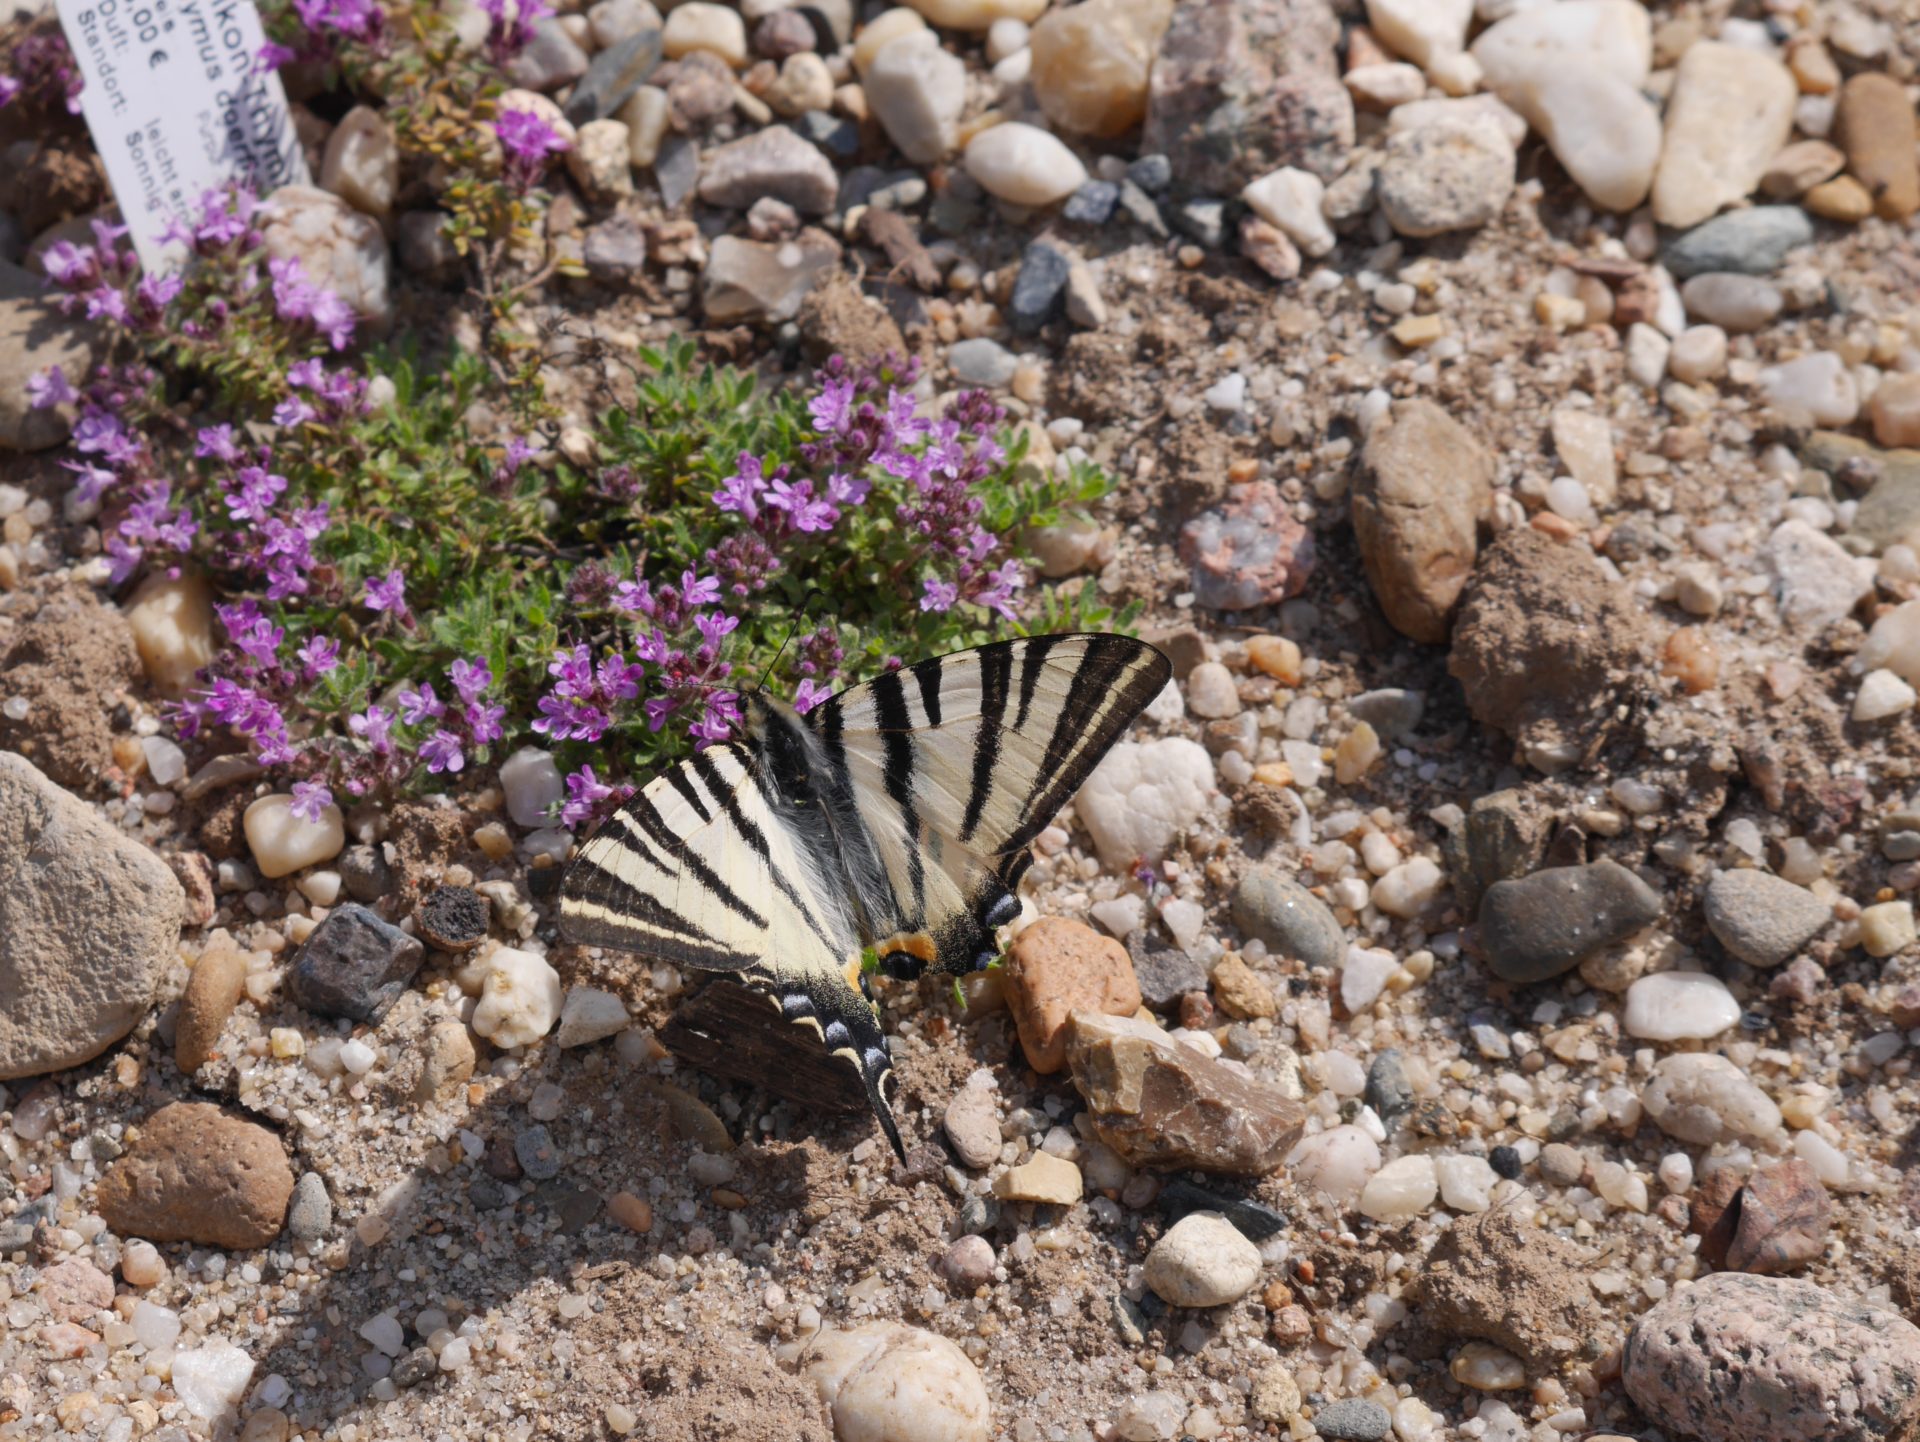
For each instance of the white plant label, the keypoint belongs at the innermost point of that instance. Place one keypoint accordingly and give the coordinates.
(179, 105)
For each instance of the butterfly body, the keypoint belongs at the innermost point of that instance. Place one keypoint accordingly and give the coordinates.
(894, 817)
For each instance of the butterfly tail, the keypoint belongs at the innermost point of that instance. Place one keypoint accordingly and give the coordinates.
(845, 1022)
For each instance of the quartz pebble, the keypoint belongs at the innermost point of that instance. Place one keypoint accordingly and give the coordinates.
(1453, 173)
(883, 1381)
(1679, 1005)
(1024, 164)
(519, 998)
(1338, 1161)
(1698, 354)
(283, 843)
(1735, 303)
(1290, 198)
(1486, 1368)
(1092, 61)
(700, 25)
(588, 1015)
(1400, 1190)
(211, 1379)
(1466, 1182)
(1895, 411)
(532, 785)
(1202, 1261)
(1702, 1098)
(1818, 385)
(1730, 112)
(1143, 795)
(917, 91)
(1887, 928)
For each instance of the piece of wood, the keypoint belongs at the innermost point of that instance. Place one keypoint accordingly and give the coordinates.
(732, 1031)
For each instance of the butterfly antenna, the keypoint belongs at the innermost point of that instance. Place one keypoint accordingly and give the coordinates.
(798, 616)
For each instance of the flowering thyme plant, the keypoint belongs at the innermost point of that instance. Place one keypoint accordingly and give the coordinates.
(399, 600)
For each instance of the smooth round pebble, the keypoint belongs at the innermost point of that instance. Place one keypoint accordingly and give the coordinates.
(1024, 164)
(283, 843)
(1202, 1261)
(885, 1382)
(1679, 1005)
(1761, 918)
(1402, 1189)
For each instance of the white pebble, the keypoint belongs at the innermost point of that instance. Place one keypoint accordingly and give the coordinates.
(519, 998)
(1881, 694)
(1202, 1261)
(1338, 1161)
(1408, 889)
(1466, 1183)
(1024, 164)
(357, 1057)
(532, 784)
(1364, 977)
(212, 1378)
(385, 1333)
(1679, 1005)
(1819, 384)
(1403, 1188)
(1828, 1162)
(166, 762)
(283, 843)
(1290, 199)
(590, 1015)
(155, 1327)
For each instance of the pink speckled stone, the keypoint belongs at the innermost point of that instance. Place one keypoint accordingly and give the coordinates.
(1734, 1358)
(1249, 551)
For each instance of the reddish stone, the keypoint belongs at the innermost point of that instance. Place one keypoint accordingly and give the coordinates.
(1247, 552)
(1055, 968)
(1784, 1215)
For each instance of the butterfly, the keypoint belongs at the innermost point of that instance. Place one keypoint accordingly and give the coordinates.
(892, 818)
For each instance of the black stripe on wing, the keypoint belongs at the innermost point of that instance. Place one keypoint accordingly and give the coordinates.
(896, 726)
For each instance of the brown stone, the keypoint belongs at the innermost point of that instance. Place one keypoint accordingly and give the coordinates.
(1777, 1222)
(1546, 647)
(74, 1290)
(1243, 87)
(1713, 1213)
(1091, 62)
(1240, 992)
(1055, 968)
(196, 1174)
(1160, 1104)
(1496, 1277)
(1874, 124)
(1424, 483)
(213, 991)
(1842, 199)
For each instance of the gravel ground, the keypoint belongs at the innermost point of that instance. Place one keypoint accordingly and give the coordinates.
(1576, 658)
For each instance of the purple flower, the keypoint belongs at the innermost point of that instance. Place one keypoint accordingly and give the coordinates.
(318, 655)
(255, 491)
(832, 409)
(9, 90)
(308, 374)
(469, 678)
(999, 595)
(104, 302)
(845, 490)
(292, 411)
(713, 625)
(529, 143)
(48, 388)
(484, 722)
(699, 591)
(634, 596)
(441, 751)
(809, 695)
(803, 511)
(92, 482)
(375, 727)
(389, 593)
(216, 443)
(584, 793)
(420, 704)
(70, 266)
(333, 318)
(741, 492)
(310, 800)
(939, 595)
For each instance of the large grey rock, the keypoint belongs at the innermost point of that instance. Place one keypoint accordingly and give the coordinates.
(88, 920)
(1761, 918)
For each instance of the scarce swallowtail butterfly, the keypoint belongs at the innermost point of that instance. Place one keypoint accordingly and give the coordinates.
(894, 816)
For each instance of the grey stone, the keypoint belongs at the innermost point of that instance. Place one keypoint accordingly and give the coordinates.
(416, 1367)
(676, 170)
(1142, 210)
(616, 251)
(551, 59)
(1165, 973)
(1388, 1091)
(1761, 918)
(1352, 1419)
(978, 1215)
(534, 1149)
(1152, 173)
(1736, 303)
(89, 919)
(1291, 920)
(1243, 87)
(776, 162)
(1542, 925)
(575, 1207)
(1751, 242)
(310, 1215)
(353, 965)
(614, 75)
(1092, 203)
(832, 133)
(981, 361)
(1889, 512)
(365, 872)
(1038, 287)
(1498, 841)
(1203, 220)
(1390, 711)
(487, 1194)
(762, 280)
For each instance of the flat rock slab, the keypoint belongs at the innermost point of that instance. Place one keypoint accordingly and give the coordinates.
(88, 918)
(1736, 1357)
